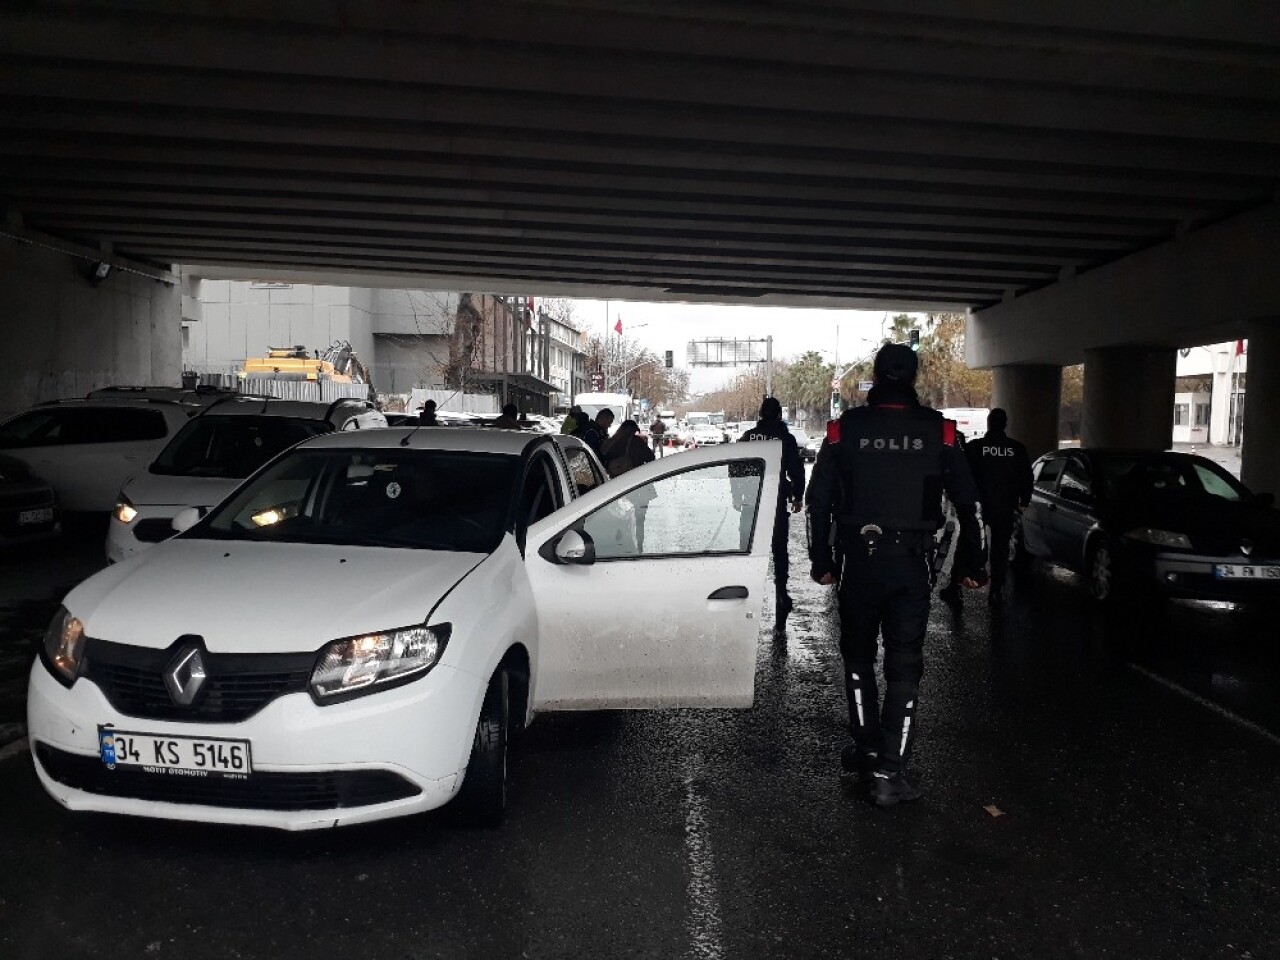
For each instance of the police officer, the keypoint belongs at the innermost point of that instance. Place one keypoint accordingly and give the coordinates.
(881, 471)
(790, 488)
(1002, 471)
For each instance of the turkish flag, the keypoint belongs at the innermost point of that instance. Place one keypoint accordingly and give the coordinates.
(617, 327)
(1239, 347)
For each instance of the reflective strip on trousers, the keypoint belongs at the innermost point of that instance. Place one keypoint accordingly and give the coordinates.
(857, 699)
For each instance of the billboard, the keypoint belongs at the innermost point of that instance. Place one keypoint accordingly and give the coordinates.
(725, 352)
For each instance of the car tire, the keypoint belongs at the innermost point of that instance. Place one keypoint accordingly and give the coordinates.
(482, 799)
(1101, 571)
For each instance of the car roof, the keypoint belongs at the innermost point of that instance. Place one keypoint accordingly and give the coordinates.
(472, 440)
(250, 406)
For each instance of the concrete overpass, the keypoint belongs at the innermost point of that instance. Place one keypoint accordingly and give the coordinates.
(1094, 180)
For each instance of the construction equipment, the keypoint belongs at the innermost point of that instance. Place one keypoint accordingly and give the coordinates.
(337, 363)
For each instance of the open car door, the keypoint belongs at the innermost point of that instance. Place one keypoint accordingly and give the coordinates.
(649, 588)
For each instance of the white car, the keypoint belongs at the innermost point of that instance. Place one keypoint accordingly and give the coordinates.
(86, 449)
(354, 632)
(212, 454)
(703, 435)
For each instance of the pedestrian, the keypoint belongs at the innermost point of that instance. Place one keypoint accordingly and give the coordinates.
(595, 432)
(427, 416)
(574, 419)
(881, 472)
(1002, 471)
(657, 433)
(625, 450)
(790, 495)
(508, 419)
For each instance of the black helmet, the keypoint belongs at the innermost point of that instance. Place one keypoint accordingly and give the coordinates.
(896, 362)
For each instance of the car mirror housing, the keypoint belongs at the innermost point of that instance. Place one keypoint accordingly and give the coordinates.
(575, 546)
(185, 519)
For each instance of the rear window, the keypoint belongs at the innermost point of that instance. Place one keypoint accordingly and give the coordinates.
(231, 447)
(1046, 474)
(67, 425)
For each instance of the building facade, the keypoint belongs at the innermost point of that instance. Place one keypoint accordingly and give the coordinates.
(474, 342)
(1208, 401)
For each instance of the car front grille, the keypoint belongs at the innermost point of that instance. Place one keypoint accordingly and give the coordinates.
(153, 529)
(237, 686)
(331, 790)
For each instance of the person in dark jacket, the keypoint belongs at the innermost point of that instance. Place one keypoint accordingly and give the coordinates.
(879, 476)
(625, 451)
(595, 432)
(427, 417)
(790, 494)
(1002, 471)
(509, 419)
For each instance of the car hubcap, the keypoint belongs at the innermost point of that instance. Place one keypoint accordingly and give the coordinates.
(1102, 573)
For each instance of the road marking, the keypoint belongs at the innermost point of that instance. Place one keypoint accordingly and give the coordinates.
(13, 749)
(704, 903)
(1209, 704)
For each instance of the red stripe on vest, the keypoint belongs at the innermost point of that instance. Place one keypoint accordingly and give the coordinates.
(949, 432)
(833, 431)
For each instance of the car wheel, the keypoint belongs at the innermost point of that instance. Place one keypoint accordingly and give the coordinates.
(483, 797)
(1102, 574)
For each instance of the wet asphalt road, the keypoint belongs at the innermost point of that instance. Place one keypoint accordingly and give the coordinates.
(1138, 818)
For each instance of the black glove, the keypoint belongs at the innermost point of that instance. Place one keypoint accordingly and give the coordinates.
(823, 566)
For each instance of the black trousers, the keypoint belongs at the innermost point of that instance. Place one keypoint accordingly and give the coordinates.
(781, 540)
(884, 595)
(1001, 524)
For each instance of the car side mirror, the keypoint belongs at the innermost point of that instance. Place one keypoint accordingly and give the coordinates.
(186, 519)
(1265, 499)
(576, 546)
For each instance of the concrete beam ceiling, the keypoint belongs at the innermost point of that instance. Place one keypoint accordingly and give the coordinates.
(920, 153)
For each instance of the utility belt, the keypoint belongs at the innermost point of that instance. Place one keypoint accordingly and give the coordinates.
(872, 541)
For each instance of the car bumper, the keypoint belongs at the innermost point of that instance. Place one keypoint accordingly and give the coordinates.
(1190, 577)
(416, 737)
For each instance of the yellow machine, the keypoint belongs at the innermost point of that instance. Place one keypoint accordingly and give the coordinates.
(337, 364)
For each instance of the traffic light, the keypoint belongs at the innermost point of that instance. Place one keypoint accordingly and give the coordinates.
(915, 340)
(835, 404)
(670, 359)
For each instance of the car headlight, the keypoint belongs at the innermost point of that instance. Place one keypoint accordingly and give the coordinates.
(125, 511)
(64, 646)
(377, 660)
(1160, 538)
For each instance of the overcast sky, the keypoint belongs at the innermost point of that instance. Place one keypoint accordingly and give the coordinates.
(670, 326)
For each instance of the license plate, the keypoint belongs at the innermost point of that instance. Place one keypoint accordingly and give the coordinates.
(174, 756)
(43, 515)
(1246, 571)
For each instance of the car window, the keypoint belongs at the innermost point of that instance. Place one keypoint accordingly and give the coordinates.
(1046, 474)
(1216, 484)
(705, 510)
(231, 447)
(108, 424)
(34, 429)
(540, 496)
(1075, 477)
(581, 471)
(423, 499)
(1143, 478)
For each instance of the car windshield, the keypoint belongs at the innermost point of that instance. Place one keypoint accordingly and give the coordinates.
(231, 447)
(1165, 478)
(417, 499)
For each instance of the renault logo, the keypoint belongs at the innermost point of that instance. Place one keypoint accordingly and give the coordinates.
(185, 676)
(1246, 547)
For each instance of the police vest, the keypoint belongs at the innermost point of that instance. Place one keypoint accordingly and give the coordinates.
(891, 466)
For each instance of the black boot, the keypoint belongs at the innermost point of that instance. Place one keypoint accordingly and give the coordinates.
(951, 594)
(784, 607)
(854, 759)
(888, 789)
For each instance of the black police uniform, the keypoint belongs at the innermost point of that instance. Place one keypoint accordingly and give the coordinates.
(1002, 471)
(881, 472)
(790, 487)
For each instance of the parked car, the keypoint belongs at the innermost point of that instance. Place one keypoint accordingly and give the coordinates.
(1139, 521)
(705, 435)
(87, 448)
(806, 443)
(355, 632)
(212, 454)
(28, 505)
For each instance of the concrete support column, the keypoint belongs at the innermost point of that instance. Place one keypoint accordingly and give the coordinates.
(1032, 396)
(1260, 458)
(1128, 397)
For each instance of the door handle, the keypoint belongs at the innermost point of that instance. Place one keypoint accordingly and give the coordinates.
(729, 593)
